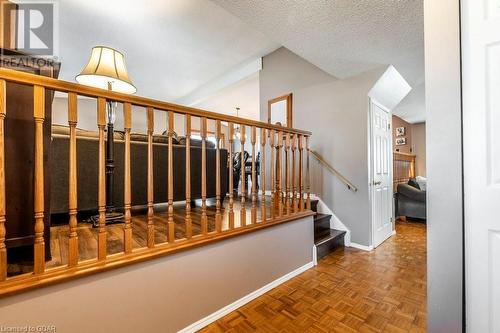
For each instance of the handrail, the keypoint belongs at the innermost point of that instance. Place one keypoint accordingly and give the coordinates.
(82, 90)
(290, 198)
(334, 171)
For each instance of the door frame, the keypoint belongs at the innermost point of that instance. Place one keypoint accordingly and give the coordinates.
(371, 169)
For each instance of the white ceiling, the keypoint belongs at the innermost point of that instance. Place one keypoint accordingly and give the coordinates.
(343, 37)
(171, 47)
(412, 107)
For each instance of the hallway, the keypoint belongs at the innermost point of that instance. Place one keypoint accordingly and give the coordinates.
(349, 291)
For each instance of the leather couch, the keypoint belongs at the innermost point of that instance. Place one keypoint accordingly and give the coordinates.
(87, 171)
(410, 201)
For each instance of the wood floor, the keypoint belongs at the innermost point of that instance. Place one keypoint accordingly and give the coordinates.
(349, 291)
(87, 236)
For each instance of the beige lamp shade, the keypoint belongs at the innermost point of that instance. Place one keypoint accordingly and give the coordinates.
(105, 69)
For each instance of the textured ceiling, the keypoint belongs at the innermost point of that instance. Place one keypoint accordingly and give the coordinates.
(343, 37)
(171, 47)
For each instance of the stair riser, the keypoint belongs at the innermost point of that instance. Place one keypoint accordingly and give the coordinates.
(329, 246)
(323, 226)
(314, 205)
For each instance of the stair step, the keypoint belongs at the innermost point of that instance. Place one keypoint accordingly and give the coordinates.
(327, 241)
(314, 205)
(319, 217)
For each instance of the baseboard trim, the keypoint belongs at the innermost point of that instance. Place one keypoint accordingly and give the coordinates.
(244, 300)
(361, 247)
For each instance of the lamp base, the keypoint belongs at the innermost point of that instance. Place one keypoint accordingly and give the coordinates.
(111, 218)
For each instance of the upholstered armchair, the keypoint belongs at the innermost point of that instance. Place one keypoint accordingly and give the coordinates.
(410, 201)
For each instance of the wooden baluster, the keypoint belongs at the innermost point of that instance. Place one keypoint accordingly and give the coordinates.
(262, 169)
(72, 181)
(273, 173)
(39, 115)
(151, 226)
(279, 174)
(287, 173)
(231, 185)
(243, 212)
(218, 216)
(295, 204)
(301, 173)
(188, 220)
(3, 249)
(170, 175)
(127, 196)
(101, 234)
(253, 139)
(204, 220)
(308, 177)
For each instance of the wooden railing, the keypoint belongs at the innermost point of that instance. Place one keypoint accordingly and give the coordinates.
(289, 185)
(404, 168)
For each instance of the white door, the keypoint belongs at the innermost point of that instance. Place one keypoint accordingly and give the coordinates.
(481, 142)
(381, 173)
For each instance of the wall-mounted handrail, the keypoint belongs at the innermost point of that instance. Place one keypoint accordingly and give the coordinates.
(330, 168)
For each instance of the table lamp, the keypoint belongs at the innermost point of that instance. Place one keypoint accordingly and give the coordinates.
(106, 70)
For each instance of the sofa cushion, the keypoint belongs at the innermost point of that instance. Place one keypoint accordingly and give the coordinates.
(422, 182)
(140, 137)
(412, 182)
(64, 130)
(195, 142)
(411, 192)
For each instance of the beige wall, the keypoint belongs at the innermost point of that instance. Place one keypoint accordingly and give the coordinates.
(398, 122)
(169, 293)
(336, 111)
(418, 147)
(415, 142)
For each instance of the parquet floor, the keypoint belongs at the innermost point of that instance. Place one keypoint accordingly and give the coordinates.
(349, 291)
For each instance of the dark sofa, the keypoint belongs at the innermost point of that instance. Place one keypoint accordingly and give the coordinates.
(87, 171)
(410, 201)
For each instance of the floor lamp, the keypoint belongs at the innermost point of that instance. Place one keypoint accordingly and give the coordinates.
(106, 70)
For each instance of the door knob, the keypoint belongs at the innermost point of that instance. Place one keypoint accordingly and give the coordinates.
(377, 183)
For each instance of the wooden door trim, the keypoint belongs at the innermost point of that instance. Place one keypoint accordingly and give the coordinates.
(289, 100)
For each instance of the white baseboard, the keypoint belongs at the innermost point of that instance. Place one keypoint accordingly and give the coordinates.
(244, 300)
(361, 247)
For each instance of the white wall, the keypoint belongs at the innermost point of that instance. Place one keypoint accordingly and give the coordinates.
(166, 294)
(336, 111)
(444, 166)
(244, 94)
